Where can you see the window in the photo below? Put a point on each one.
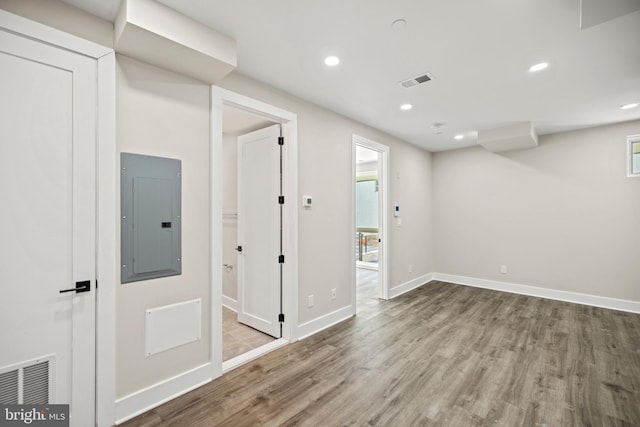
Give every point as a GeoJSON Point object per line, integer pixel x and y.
{"type": "Point", "coordinates": [633, 156]}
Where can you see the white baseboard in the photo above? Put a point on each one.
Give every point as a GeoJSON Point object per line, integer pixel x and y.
{"type": "Point", "coordinates": [251, 355]}
{"type": "Point", "coordinates": [323, 322]}
{"type": "Point", "coordinates": [230, 303]}
{"type": "Point", "coordinates": [410, 285]}
{"type": "Point", "coordinates": [148, 398]}
{"type": "Point", "coordinates": [574, 297]}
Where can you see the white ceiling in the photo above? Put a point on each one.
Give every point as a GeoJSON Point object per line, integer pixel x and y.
{"type": "Point", "coordinates": [478, 53]}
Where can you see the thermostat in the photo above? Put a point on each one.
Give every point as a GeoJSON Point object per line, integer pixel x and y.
{"type": "Point", "coordinates": [307, 201]}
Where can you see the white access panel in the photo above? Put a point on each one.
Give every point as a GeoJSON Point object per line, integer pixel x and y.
{"type": "Point", "coordinates": [172, 325]}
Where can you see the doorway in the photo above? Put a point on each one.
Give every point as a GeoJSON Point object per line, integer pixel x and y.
{"type": "Point", "coordinates": [254, 210]}
{"type": "Point", "coordinates": [250, 284]}
{"type": "Point", "coordinates": [370, 183]}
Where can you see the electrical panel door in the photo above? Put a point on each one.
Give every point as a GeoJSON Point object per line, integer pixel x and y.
{"type": "Point", "coordinates": [150, 221]}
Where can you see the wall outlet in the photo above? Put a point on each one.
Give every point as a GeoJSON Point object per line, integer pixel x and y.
{"type": "Point", "coordinates": [310, 301]}
{"type": "Point", "coordinates": [333, 293]}
{"type": "Point", "coordinates": [503, 269]}
{"type": "Point", "coordinates": [410, 268]}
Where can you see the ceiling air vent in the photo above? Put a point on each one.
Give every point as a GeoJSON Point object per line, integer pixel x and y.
{"type": "Point", "coordinates": [414, 81]}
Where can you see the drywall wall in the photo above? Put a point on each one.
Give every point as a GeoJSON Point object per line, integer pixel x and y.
{"type": "Point", "coordinates": [62, 16]}
{"type": "Point", "coordinates": [561, 216]}
{"type": "Point", "coordinates": [325, 236]}
{"type": "Point", "coordinates": [164, 114]}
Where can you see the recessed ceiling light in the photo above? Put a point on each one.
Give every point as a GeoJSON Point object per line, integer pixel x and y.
{"type": "Point", "coordinates": [539, 67]}
{"type": "Point", "coordinates": [332, 61]}
{"type": "Point", "coordinates": [459, 137]}
{"type": "Point", "coordinates": [629, 106]}
{"type": "Point", "coordinates": [406, 107]}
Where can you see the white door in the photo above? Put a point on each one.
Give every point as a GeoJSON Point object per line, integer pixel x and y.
{"type": "Point", "coordinates": [259, 230]}
{"type": "Point", "coordinates": [47, 243]}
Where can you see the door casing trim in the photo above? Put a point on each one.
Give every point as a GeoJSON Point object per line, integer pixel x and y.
{"type": "Point", "coordinates": [219, 98]}
{"type": "Point", "coordinates": [383, 214]}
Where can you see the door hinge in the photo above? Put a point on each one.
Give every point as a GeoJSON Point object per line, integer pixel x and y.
{"type": "Point", "coordinates": [281, 317]}
{"type": "Point", "coordinates": [281, 259]}
{"type": "Point", "coordinates": [281, 200]}
{"type": "Point", "coordinates": [281, 140]}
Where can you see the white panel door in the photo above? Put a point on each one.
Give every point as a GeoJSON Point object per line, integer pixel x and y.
{"type": "Point", "coordinates": [47, 244]}
{"type": "Point", "coordinates": [259, 230]}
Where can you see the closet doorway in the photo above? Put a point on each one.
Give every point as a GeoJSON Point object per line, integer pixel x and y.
{"type": "Point", "coordinates": [254, 229]}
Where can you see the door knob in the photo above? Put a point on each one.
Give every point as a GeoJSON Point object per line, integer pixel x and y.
{"type": "Point", "coordinates": [84, 286]}
{"type": "Point", "coordinates": [239, 249]}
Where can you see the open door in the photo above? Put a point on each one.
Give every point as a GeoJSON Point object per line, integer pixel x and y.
{"type": "Point", "coordinates": [259, 230]}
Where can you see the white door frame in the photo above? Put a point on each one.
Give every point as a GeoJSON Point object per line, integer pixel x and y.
{"type": "Point", "coordinates": [383, 214]}
{"type": "Point", "coordinates": [289, 121]}
{"type": "Point", "coordinates": [106, 267]}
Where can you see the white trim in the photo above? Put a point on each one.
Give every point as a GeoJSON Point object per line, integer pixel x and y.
{"type": "Point", "coordinates": [410, 285]}
{"type": "Point", "coordinates": [554, 294]}
{"type": "Point", "coordinates": [107, 262]}
{"type": "Point", "coordinates": [383, 213]}
{"type": "Point", "coordinates": [289, 121]}
{"type": "Point", "coordinates": [230, 303]}
{"type": "Point", "coordinates": [323, 322]}
{"type": "Point", "coordinates": [51, 36]}
{"type": "Point", "coordinates": [155, 395]}
{"type": "Point", "coordinates": [251, 355]}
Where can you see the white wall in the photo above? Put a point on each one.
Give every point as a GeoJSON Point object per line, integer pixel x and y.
{"type": "Point", "coordinates": [62, 16]}
{"type": "Point", "coordinates": [163, 114]}
{"type": "Point", "coordinates": [325, 173]}
{"type": "Point", "coordinates": [562, 216]}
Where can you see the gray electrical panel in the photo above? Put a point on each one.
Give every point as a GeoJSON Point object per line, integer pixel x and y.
{"type": "Point", "coordinates": [150, 204]}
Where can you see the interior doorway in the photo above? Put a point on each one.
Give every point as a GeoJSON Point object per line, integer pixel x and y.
{"type": "Point", "coordinates": [248, 167]}
{"type": "Point", "coordinates": [254, 210]}
{"type": "Point", "coordinates": [370, 183]}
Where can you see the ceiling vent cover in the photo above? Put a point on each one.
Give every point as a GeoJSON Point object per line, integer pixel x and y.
{"type": "Point", "coordinates": [414, 81]}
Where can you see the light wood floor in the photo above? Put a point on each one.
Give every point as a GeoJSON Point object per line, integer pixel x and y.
{"type": "Point", "coordinates": [367, 302]}
{"type": "Point", "coordinates": [237, 338]}
{"type": "Point", "coordinates": [441, 355]}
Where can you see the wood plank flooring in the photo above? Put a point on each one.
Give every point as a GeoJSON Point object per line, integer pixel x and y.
{"type": "Point", "coordinates": [441, 355]}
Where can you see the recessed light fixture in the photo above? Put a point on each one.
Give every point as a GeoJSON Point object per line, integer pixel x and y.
{"type": "Point", "coordinates": [459, 137]}
{"type": "Point", "coordinates": [629, 106]}
{"type": "Point", "coordinates": [332, 61]}
{"type": "Point", "coordinates": [538, 67]}
{"type": "Point", "coordinates": [406, 107]}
